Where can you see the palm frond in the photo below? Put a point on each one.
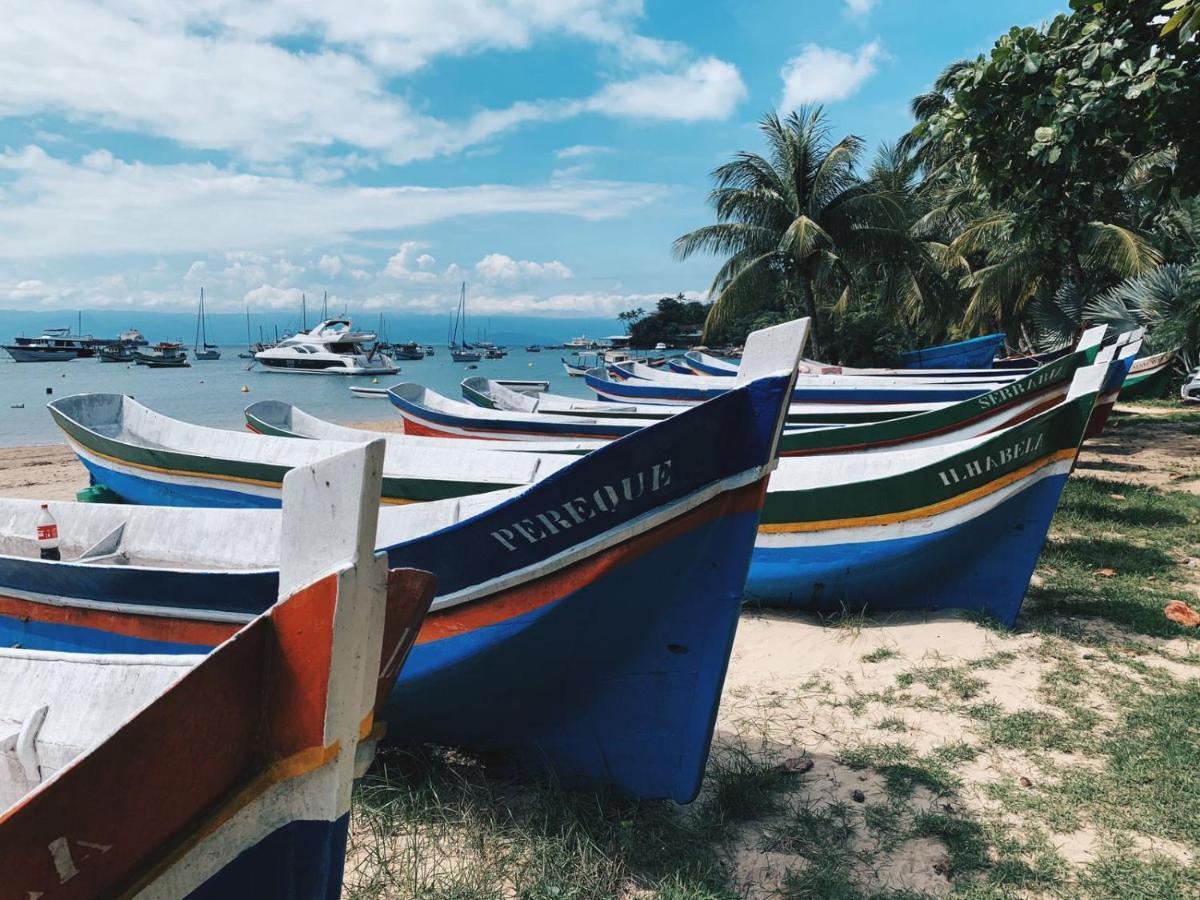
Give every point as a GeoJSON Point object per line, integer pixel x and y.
{"type": "Point", "coordinates": [1058, 318]}
{"type": "Point", "coordinates": [1118, 249]}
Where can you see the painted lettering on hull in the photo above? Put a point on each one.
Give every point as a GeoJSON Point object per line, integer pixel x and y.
{"type": "Point", "coordinates": [1036, 381]}
{"type": "Point", "coordinates": [977, 468]}
{"type": "Point", "coordinates": [604, 500]}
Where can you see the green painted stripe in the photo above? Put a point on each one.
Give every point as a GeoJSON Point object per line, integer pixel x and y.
{"type": "Point", "coordinates": [187, 464]}
{"type": "Point", "coordinates": [936, 421]}
{"type": "Point", "coordinates": [1042, 436]}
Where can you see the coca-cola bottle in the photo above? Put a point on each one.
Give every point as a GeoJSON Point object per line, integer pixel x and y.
{"type": "Point", "coordinates": [47, 534]}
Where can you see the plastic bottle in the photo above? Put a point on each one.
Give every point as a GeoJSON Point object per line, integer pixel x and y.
{"type": "Point", "coordinates": [47, 534]}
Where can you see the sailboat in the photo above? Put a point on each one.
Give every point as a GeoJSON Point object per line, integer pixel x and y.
{"type": "Point", "coordinates": [465, 353]}
{"type": "Point", "coordinates": [203, 350]}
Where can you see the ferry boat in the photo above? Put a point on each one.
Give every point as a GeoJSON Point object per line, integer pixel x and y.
{"type": "Point", "coordinates": [53, 345]}
{"type": "Point", "coordinates": [331, 348]}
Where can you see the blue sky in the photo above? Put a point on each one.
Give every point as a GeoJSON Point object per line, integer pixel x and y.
{"type": "Point", "coordinates": [547, 152]}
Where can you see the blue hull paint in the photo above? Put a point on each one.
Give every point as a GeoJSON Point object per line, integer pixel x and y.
{"type": "Point", "coordinates": [152, 492]}
{"type": "Point", "coordinates": [79, 639]}
{"type": "Point", "coordinates": [633, 706]}
{"type": "Point", "coordinates": [974, 353]}
{"type": "Point", "coordinates": [982, 565]}
{"type": "Point", "coordinates": [303, 860]}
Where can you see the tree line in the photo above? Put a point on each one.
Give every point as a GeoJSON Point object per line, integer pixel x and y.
{"type": "Point", "coordinates": [1049, 184]}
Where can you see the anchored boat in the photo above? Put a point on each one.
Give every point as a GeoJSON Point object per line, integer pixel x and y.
{"type": "Point", "coordinates": [331, 348]}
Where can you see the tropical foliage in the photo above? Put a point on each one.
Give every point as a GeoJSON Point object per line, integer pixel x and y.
{"type": "Point", "coordinates": [1047, 184]}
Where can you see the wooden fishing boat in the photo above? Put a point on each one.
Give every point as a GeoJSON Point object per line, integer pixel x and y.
{"type": "Point", "coordinates": [973, 353]}
{"type": "Point", "coordinates": [573, 630]}
{"type": "Point", "coordinates": [575, 370]}
{"type": "Point", "coordinates": [678, 365]}
{"type": "Point", "coordinates": [274, 417]}
{"type": "Point", "coordinates": [490, 394]}
{"type": "Point", "coordinates": [145, 457]}
{"type": "Point", "coordinates": [1148, 377]}
{"type": "Point", "coordinates": [1119, 370]}
{"type": "Point", "coordinates": [989, 412]}
{"type": "Point", "coordinates": [163, 355]}
{"type": "Point", "coordinates": [956, 525]}
{"type": "Point", "coordinates": [224, 775]}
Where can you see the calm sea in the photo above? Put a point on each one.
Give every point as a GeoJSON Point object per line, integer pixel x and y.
{"type": "Point", "coordinates": [209, 393]}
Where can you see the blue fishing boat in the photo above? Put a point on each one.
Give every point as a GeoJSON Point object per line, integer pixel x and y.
{"type": "Point", "coordinates": [973, 353]}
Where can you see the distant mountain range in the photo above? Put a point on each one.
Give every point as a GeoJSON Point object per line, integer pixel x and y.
{"type": "Point", "coordinates": [229, 329]}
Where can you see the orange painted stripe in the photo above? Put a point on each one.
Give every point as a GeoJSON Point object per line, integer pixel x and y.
{"type": "Point", "coordinates": [134, 625]}
{"type": "Point", "coordinates": [919, 512]}
{"type": "Point", "coordinates": [533, 595]}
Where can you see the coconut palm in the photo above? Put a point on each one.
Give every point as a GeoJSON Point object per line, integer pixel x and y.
{"type": "Point", "coordinates": [795, 224]}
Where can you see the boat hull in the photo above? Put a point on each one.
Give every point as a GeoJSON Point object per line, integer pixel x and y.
{"type": "Point", "coordinates": [974, 353]}
{"type": "Point", "coordinates": [28, 354]}
{"type": "Point", "coordinates": [977, 558]}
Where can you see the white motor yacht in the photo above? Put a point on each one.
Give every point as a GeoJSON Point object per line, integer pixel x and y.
{"type": "Point", "coordinates": [331, 348]}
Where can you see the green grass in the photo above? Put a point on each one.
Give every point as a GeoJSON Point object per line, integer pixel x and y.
{"type": "Point", "coordinates": [743, 786]}
{"type": "Point", "coordinates": [955, 681]}
{"type": "Point", "coordinates": [426, 826]}
{"type": "Point", "coordinates": [1143, 538]}
{"type": "Point", "coordinates": [903, 769]}
{"type": "Point", "coordinates": [879, 654]}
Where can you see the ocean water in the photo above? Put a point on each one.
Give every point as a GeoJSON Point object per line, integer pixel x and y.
{"type": "Point", "coordinates": [209, 393]}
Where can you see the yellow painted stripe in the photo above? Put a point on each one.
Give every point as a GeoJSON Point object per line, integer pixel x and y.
{"type": "Point", "coordinates": [919, 512]}
{"type": "Point", "coordinates": [388, 501]}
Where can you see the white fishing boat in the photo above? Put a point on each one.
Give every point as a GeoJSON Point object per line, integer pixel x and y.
{"type": "Point", "coordinates": [331, 348]}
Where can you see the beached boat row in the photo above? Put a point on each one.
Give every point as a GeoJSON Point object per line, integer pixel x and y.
{"type": "Point", "coordinates": [591, 557]}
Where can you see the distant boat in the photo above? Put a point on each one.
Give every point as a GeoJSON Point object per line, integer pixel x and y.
{"type": "Point", "coordinates": [465, 352]}
{"type": "Point", "coordinates": [53, 345]}
{"type": "Point", "coordinates": [533, 348]}
{"type": "Point", "coordinates": [411, 351]}
{"type": "Point", "coordinates": [163, 355]}
{"type": "Point", "coordinates": [575, 370]}
{"type": "Point", "coordinates": [429, 351]}
{"type": "Point", "coordinates": [203, 350]}
{"type": "Point", "coordinates": [330, 348]}
{"type": "Point", "coordinates": [115, 353]}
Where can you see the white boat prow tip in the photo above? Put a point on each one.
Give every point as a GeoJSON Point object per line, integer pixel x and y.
{"type": "Point", "coordinates": [770, 351]}
{"type": "Point", "coordinates": [1087, 380]}
{"type": "Point", "coordinates": [342, 493]}
{"type": "Point", "coordinates": [1093, 337]}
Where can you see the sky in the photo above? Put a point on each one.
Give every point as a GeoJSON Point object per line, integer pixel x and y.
{"type": "Point", "coordinates": [546, 152]}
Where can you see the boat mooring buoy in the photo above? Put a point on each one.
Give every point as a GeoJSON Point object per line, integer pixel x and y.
{"type": "Point", "coordinates": [49, 390]}
{"type": "Point", "coordinates": [245, 389]}
{"type": "Point", "coordinates": [374, 381]}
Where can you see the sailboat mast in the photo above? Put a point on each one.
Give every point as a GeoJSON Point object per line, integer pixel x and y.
{"type": "Point", "coordinates": [303, 314]}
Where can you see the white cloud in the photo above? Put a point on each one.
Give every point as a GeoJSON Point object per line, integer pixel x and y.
{"type": "Point", "coordinates": [579, 150]}
{"type": "Point", "coordinates": [330, 265]}
{"type": "Point", "coordinates": [860, 7]}
{"type": "Point", "coordinates": [55, 208]}
{"type": "Point", "coordinates": [498, 267]}
{"type": "Point", "coordinates": [208, 74]}
{"type": "Point", "coordinates": [824, 75]}
{"type": "Point", "coordinates": [707, 89]}
{"type": "Point", "coordinates": [597, 304]}
{"type": "Point", "coordinates": [399, 265]}
{"type": "Point", "coordinates": [267, 296]}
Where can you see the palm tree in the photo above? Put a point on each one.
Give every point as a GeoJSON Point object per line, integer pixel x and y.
{"type": "Point", "coordinates": [793, 225]}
